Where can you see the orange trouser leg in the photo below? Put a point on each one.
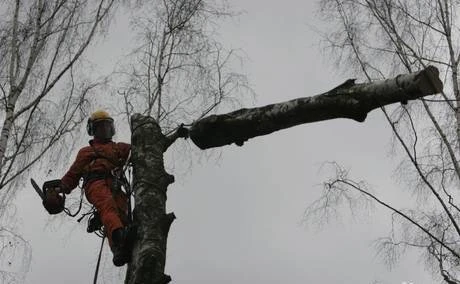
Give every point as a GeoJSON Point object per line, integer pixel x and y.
{"type": "Point", "coordinates": [109, 207]}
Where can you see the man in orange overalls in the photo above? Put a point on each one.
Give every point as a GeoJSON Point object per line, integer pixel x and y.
{"type": "Point", "coordinates": [95, 164]}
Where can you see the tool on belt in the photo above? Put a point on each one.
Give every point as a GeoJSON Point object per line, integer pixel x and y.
{"type": "Point", "coordinates": [52, 199]}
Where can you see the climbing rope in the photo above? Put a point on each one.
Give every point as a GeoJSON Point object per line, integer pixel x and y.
{"type": "Point", "coordinates": [96, 272]}
{"type": "Point", "coordinates": [129, 193]}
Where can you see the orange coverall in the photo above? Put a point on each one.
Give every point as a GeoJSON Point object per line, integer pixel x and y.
{"type": "Point", "coordinates": [93, 164]}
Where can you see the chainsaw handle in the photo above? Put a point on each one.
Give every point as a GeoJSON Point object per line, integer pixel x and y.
{"type": "Point", "coordinates": [54, 192]}
{"type": "Point", "coordinates": [54, 201]}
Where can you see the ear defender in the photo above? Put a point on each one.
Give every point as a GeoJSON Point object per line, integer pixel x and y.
{"type": "Point", "coordinates": [90, 127]}
{"type": "Point", "coordinates": [112, 128]}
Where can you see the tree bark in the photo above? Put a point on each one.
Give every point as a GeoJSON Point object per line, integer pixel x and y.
{"type": "Point", "coordinates": [150, 182]}
{"type": "Point", "coordinates": [348, 100]}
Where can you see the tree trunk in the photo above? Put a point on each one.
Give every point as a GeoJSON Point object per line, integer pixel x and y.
{"type": "Point", "coordinates": [348, 100]}
{"type": "Point", "coordinates": [150, 181]}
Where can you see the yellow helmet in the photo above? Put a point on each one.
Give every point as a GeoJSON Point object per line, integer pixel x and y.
{"type": "Point", "coordinates": [102, 118]}
{"type": "Point", "coordinates": [99, 114]}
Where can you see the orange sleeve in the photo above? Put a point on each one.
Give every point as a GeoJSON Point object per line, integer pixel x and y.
{"type": "Point", "coordinates": [72, 177]}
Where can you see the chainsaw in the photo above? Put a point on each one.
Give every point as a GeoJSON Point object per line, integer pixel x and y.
{"type": "Point", "coordinates": [52, 199]}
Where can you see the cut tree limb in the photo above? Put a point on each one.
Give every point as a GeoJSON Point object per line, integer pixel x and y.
{"type": "Point", "coordinates": [349, 100]}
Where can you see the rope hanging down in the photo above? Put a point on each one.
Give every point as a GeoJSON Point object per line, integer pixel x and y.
{"type": "Point", "coordinates": [96, 272]}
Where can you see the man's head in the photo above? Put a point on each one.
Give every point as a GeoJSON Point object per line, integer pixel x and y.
{"type": "Point", "coordinates": [100, 125]}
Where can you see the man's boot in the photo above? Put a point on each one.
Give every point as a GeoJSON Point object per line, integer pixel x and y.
{"type": "Point", "coordinates": [120, 255]}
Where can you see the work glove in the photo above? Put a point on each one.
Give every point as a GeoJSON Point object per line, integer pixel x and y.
{"type": "Point", "coordinates": [62, 189]}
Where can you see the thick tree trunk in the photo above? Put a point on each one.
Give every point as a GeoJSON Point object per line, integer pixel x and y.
{"type": "Point", "coordinates": [150, 181]}
{"type": "Point", "coordinates": [348, 100]}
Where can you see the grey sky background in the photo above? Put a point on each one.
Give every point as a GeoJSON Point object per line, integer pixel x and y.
{"type": "Point", "coordinates": [239, 214]}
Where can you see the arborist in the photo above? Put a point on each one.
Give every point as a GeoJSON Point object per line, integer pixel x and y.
{"type": "Point", "coordinates": [97, 164]}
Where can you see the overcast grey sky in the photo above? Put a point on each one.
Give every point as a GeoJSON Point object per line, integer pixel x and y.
{"type": "Point", "coordinates": [239, 220]}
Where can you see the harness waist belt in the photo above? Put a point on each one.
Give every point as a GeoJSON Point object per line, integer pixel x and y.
{"type": "Point", "coordinates": [92, 176]}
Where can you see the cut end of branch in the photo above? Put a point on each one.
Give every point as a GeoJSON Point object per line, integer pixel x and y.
{"type": "Point", "coordinates": [166, 221]}
{"type": "Point", "coordinates": [164, 279]}
{"type": "Point", "coordinates": [429, 82]}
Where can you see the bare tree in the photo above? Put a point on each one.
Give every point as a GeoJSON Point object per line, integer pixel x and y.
{"type": "Point", "coordinates": [377, 38]}
{"type": "Point", "coordinates": [177, 74]}
{"type": "Point", "coordinates": [180, 76]}
{"type": "Point", "coordinates": [181, 72]}
{"type": "Point", "coordinates": [149, 143]}
{"type": "Point", "coordinates": [42, 89]}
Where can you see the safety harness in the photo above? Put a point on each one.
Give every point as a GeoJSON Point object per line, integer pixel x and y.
{"type": "Point", "coordinates": [119, 181]}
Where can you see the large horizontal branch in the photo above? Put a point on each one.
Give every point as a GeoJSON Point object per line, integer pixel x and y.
{"type": "Point", "coordinates": [348, 100]}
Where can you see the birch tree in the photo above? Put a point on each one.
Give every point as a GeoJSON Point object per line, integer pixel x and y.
{"type": "Point", "coordinates": [374, 39]}
{"type": "Point", "coordinates": [179, 80]}
{"type": "Point", "coordinates": [42, 92]}
{"type": "Point", "coordinates": [179, 73]}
